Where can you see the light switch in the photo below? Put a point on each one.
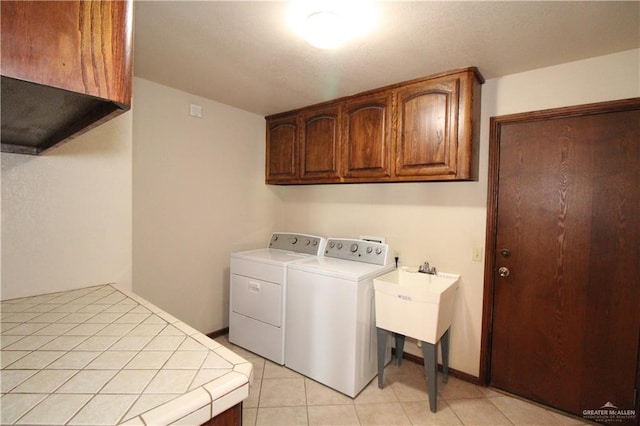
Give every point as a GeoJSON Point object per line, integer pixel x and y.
{"type": "Point", "coordinates": [476, 254]}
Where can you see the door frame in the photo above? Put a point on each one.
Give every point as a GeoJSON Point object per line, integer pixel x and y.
{"type": "Point", "coordinates": [495, 126]}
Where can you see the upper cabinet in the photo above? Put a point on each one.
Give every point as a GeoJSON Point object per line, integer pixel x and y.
{"type": "Point", "coordinates": [421, 130]}
{"type": "Point", "coordinates": [66, 68]}
{"type": "Point", "coordinates": [435, 135]}
{"type": "Point", "coordinates": [366, 137]}
{"type": "Point", "coordinates": [320, 144]}
{"type": "Point", "coordinates": [282, 149]}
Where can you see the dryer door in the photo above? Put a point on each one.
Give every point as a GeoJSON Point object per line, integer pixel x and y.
{"type": "Point", "coordinates": [257, 299]}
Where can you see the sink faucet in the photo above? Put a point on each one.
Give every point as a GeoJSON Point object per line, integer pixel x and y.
{"type": "Point", "coordinates": [425, 269]}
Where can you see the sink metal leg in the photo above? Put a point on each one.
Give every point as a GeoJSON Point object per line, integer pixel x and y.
{"type": "Point", "coordinates": [382, 340]}
{"type": "Point", "coordinates": [444, 347]}
{"type": "Point", "coordinates": [399, 347]}
{"type": "Point", "coordinates": [430, 368]}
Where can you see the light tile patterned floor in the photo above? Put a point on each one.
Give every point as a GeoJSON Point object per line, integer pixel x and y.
{"type": "Point", "coordinates": [280, 396]}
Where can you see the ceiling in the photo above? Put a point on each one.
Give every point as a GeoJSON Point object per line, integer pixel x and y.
{"type": "Point", "coordinates": [244, 54]}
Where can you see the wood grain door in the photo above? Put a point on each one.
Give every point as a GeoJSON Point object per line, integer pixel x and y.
{"type": "Point", "coordinates": [366, 137]}
{"type": "Point", "coordinates": [320, 144]}
{"type": "Point", "coordinates": [282, 150]}
{"type": "Point", "coordinates": [565, 266]}
{"type": "Point", "coordinates": [426, 141]}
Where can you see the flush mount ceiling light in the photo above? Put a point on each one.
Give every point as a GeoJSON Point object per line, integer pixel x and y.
{"type": "Point", "coordinates": [329, 24]}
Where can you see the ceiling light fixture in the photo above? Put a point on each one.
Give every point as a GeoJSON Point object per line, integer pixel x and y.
{"type": "Point", "coordinates": [329, 24]}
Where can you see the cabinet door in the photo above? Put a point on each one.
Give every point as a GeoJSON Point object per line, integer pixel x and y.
{"type": "Point", "coordinates": [282, 150]}
{"type": "Point", "coordinates": [366, 138]}
{"type": "Point", "coordinates": [320, 145]}
{"type": "Point", "coordinates": [426, 141]}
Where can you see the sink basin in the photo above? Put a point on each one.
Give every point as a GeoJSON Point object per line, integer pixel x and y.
{"type": "Point", "coordinates": [415, 304]}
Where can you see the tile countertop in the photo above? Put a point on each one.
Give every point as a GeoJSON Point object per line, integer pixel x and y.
{"type": "Point", "coordinates": [104, 356]}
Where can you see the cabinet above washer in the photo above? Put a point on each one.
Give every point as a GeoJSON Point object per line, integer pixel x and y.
{"type": "Point", "coordinates": [420, 130]}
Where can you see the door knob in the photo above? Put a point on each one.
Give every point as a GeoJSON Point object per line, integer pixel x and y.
{"type": "Point", "coordinates": [503, 271]}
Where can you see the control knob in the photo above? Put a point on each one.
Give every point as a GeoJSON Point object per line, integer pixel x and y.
{"type": "Point", "coordinates": [294, 240]}
{"type": "Point", "coordinates": [354, 248]}
{"type": "Point", "coordinates": [379, 250]}
{"type": "Point", "coordinates": [308, 242]}
{"type": "Point", "coordinates": [369, 250]}
{"type": "Point", "coordinates": [332, 244]}
{"type": "Point", "coordinates": [339, 246]}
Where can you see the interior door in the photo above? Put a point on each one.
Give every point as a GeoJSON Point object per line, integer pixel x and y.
{"type": "Point", "coordinates": [565, 267]}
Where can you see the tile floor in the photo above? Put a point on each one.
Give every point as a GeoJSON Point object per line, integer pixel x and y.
{"type": "Point", "coordinates": [279, 396]}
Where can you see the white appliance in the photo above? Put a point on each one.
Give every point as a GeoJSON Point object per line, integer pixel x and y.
{"type": "Point", "coordinates": [330, 317]}
{"type": "Point", "coordinates": [258, 287]}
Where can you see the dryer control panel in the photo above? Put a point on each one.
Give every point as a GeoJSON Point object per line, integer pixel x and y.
{"type": "Point", "coordinates": [358, 251]}
{"type": "Point", "coordinates": [299, 243]}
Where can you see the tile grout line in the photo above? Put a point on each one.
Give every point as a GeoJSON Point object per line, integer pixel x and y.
{"type": "Point", "coordinates": [152, 378]}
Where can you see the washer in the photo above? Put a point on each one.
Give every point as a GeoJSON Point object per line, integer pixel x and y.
{"type": "Point", "coordinates": [330, 317]}
{"type": "Point", "coordinates": [258, 286]}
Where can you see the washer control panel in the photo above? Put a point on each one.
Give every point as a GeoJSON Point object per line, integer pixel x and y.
{"type": "Point", "coordinates": [299, 243]}
{"type": "Point", "coordinates": [358, 250]}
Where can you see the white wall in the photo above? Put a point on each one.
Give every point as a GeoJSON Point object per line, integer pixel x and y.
{"type": "Point", "coordinates": [199, 194]}
{"type": "Point", "coordinates": [442, 222]}
{"type": "Point", "coordinates": [600, 79]}
{"type": "Point", "coordinates": [66, 215]}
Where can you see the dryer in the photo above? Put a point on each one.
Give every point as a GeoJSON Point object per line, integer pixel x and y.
{"type": "Point", "coordinates": [330, 316]}
{"type": "Point", "coordinates": [258, 287]}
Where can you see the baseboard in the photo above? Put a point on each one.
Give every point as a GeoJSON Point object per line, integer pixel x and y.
{"type": "Point", "coordinates": [452, 371]}
{"type": "Point", "coordinates": [218, 333]}
{"type": "Point", "coordinates": [409, 357]}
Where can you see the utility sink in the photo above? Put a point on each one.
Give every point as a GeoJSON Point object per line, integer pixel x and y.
{"type": "Point", "coordinates": [415, 304]}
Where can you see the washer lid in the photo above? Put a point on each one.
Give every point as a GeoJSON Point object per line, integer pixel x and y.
{"type": "Point", "coordinates": [339, 268]}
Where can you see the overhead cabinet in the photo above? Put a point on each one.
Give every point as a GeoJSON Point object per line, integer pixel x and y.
{"type": "Point", "coordinates": [320, 144]}
{"type": "Point", "coordinates": [366, 130]}
{"type": "Point", "coordinates": [66, 67]}
{"type": "Point", "coordinates": [282, 149]}
{"type": "Point", "coordinates": [421, 130]}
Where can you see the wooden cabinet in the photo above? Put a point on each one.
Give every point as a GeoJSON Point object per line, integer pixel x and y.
{"type": "Point", "coordinates": [435, 135]}
{"type": "Point", "coordinates": [366, 137]}
{"type": "Point", "coordinates": [66, 67]}
{"type": "Point", "coordinates": [421, 130]}
{"type": "Point", "coordinates": [282, 149]}
{"type": "Point", "coordinates": [320, 144]}
{"type": "Point", "coordinates": [230, 417]}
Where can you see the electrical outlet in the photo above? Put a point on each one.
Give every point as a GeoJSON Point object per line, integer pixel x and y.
{"type": "Point", "coordinates": [476, 254]}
